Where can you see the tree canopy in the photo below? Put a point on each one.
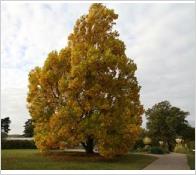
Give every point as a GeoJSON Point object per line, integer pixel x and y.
{"type": "Point", "coordinates": [88, 92]}
{"type": "Point", "coordinates": [28, 128]}
{"type": "Point", "coordinates": [5, 124]}
{"type": "Point", "coordinates": [5, 127]}
{"type": "Point", "coordinates": [166, 122]}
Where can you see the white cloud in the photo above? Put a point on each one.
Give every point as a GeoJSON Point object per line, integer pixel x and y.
{"type": "Point", "coordinates": [30, 32]}
{"type": "Point", "coordinates": [159, 37]}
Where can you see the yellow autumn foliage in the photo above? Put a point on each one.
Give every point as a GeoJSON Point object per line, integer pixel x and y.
{"type": "Point", "coordinates": [87, 93]}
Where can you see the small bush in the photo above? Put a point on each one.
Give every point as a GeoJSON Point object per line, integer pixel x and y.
{"type": "Point", "coordinates": [18, 144]}
{"type": "Point", "coordinates": [156, 150]}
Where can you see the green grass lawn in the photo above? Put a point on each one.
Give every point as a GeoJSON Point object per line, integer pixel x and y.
{"type": "Point", "coordinates": [31, 159]}
{"type": "Point", "coordinates": [191, 160]}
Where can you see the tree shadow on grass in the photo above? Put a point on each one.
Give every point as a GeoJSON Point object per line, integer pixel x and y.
{"type": "Point", "coordinates": [79, 156]}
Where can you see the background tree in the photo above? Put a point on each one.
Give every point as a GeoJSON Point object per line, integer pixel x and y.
{"type": "Point", "coordinates": [87, 93]}
{"type": "Point", "coordinates": [5, 124]}
{"type": "Point", "coordinates": [188, 133]}
{"type": "Point", "coordinates": [166, 122]}
{"type": "Point", "coordinates": [28, 128]}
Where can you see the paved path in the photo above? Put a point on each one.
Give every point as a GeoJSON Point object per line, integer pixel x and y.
{"type": "Point", "coordinates": [172, 161]}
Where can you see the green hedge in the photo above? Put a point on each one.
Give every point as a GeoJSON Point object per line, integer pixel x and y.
{"type": "Point", "coordinates": [156, 150]}
{"type": "Point", "coordinates": [18, 144]}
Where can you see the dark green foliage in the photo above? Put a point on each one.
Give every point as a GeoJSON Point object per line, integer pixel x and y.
{"type": "Point", "coordinates": [187, 133]}
{"type": "Point", "coordinates": [28, 131]}
{"type": "Point", "coordinates": [18, 144]}
{"type": "Point", "coordinates": [5, 124]}
{"type": "Point", "coordinates": [138, 144]}
{"type": "Point", "coordinates": [156, 150]}
{"type": "Point", "coordinates": [165, 123]}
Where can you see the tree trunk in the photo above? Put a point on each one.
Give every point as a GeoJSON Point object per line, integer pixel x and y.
{"type": "Point", "coordinates": [88, 145]}
{"type": "Point", "coordinates": [170, 146]}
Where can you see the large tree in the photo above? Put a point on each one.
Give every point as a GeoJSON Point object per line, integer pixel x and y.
{"type": "Point", "coordinates": [28, 128]}
{"type": "Point", "coordinates": [166, 122]}
{"type": "Point", "coordinates": [88, 92]}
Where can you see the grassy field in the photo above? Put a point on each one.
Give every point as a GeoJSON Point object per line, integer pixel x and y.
{"type": "Point", "coordinates": [32, 159]}
{"type": "Point", "coordinates": [191, 160]}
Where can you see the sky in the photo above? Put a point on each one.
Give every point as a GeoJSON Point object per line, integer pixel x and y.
{"type": "Point", "coordinates": [159, 37]}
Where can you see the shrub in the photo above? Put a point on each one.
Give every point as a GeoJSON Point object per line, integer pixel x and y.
{"type": "Point", "coordinates": [18, 144]}
{"type": "Point", "coordinates": [156, 150]}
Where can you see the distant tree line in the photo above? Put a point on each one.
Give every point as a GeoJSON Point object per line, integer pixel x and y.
{"type": "Point", "coordinates": [5, 127]}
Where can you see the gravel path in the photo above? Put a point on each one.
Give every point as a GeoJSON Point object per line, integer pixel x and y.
{"type": "Point", "coordinates": [172, 161]}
